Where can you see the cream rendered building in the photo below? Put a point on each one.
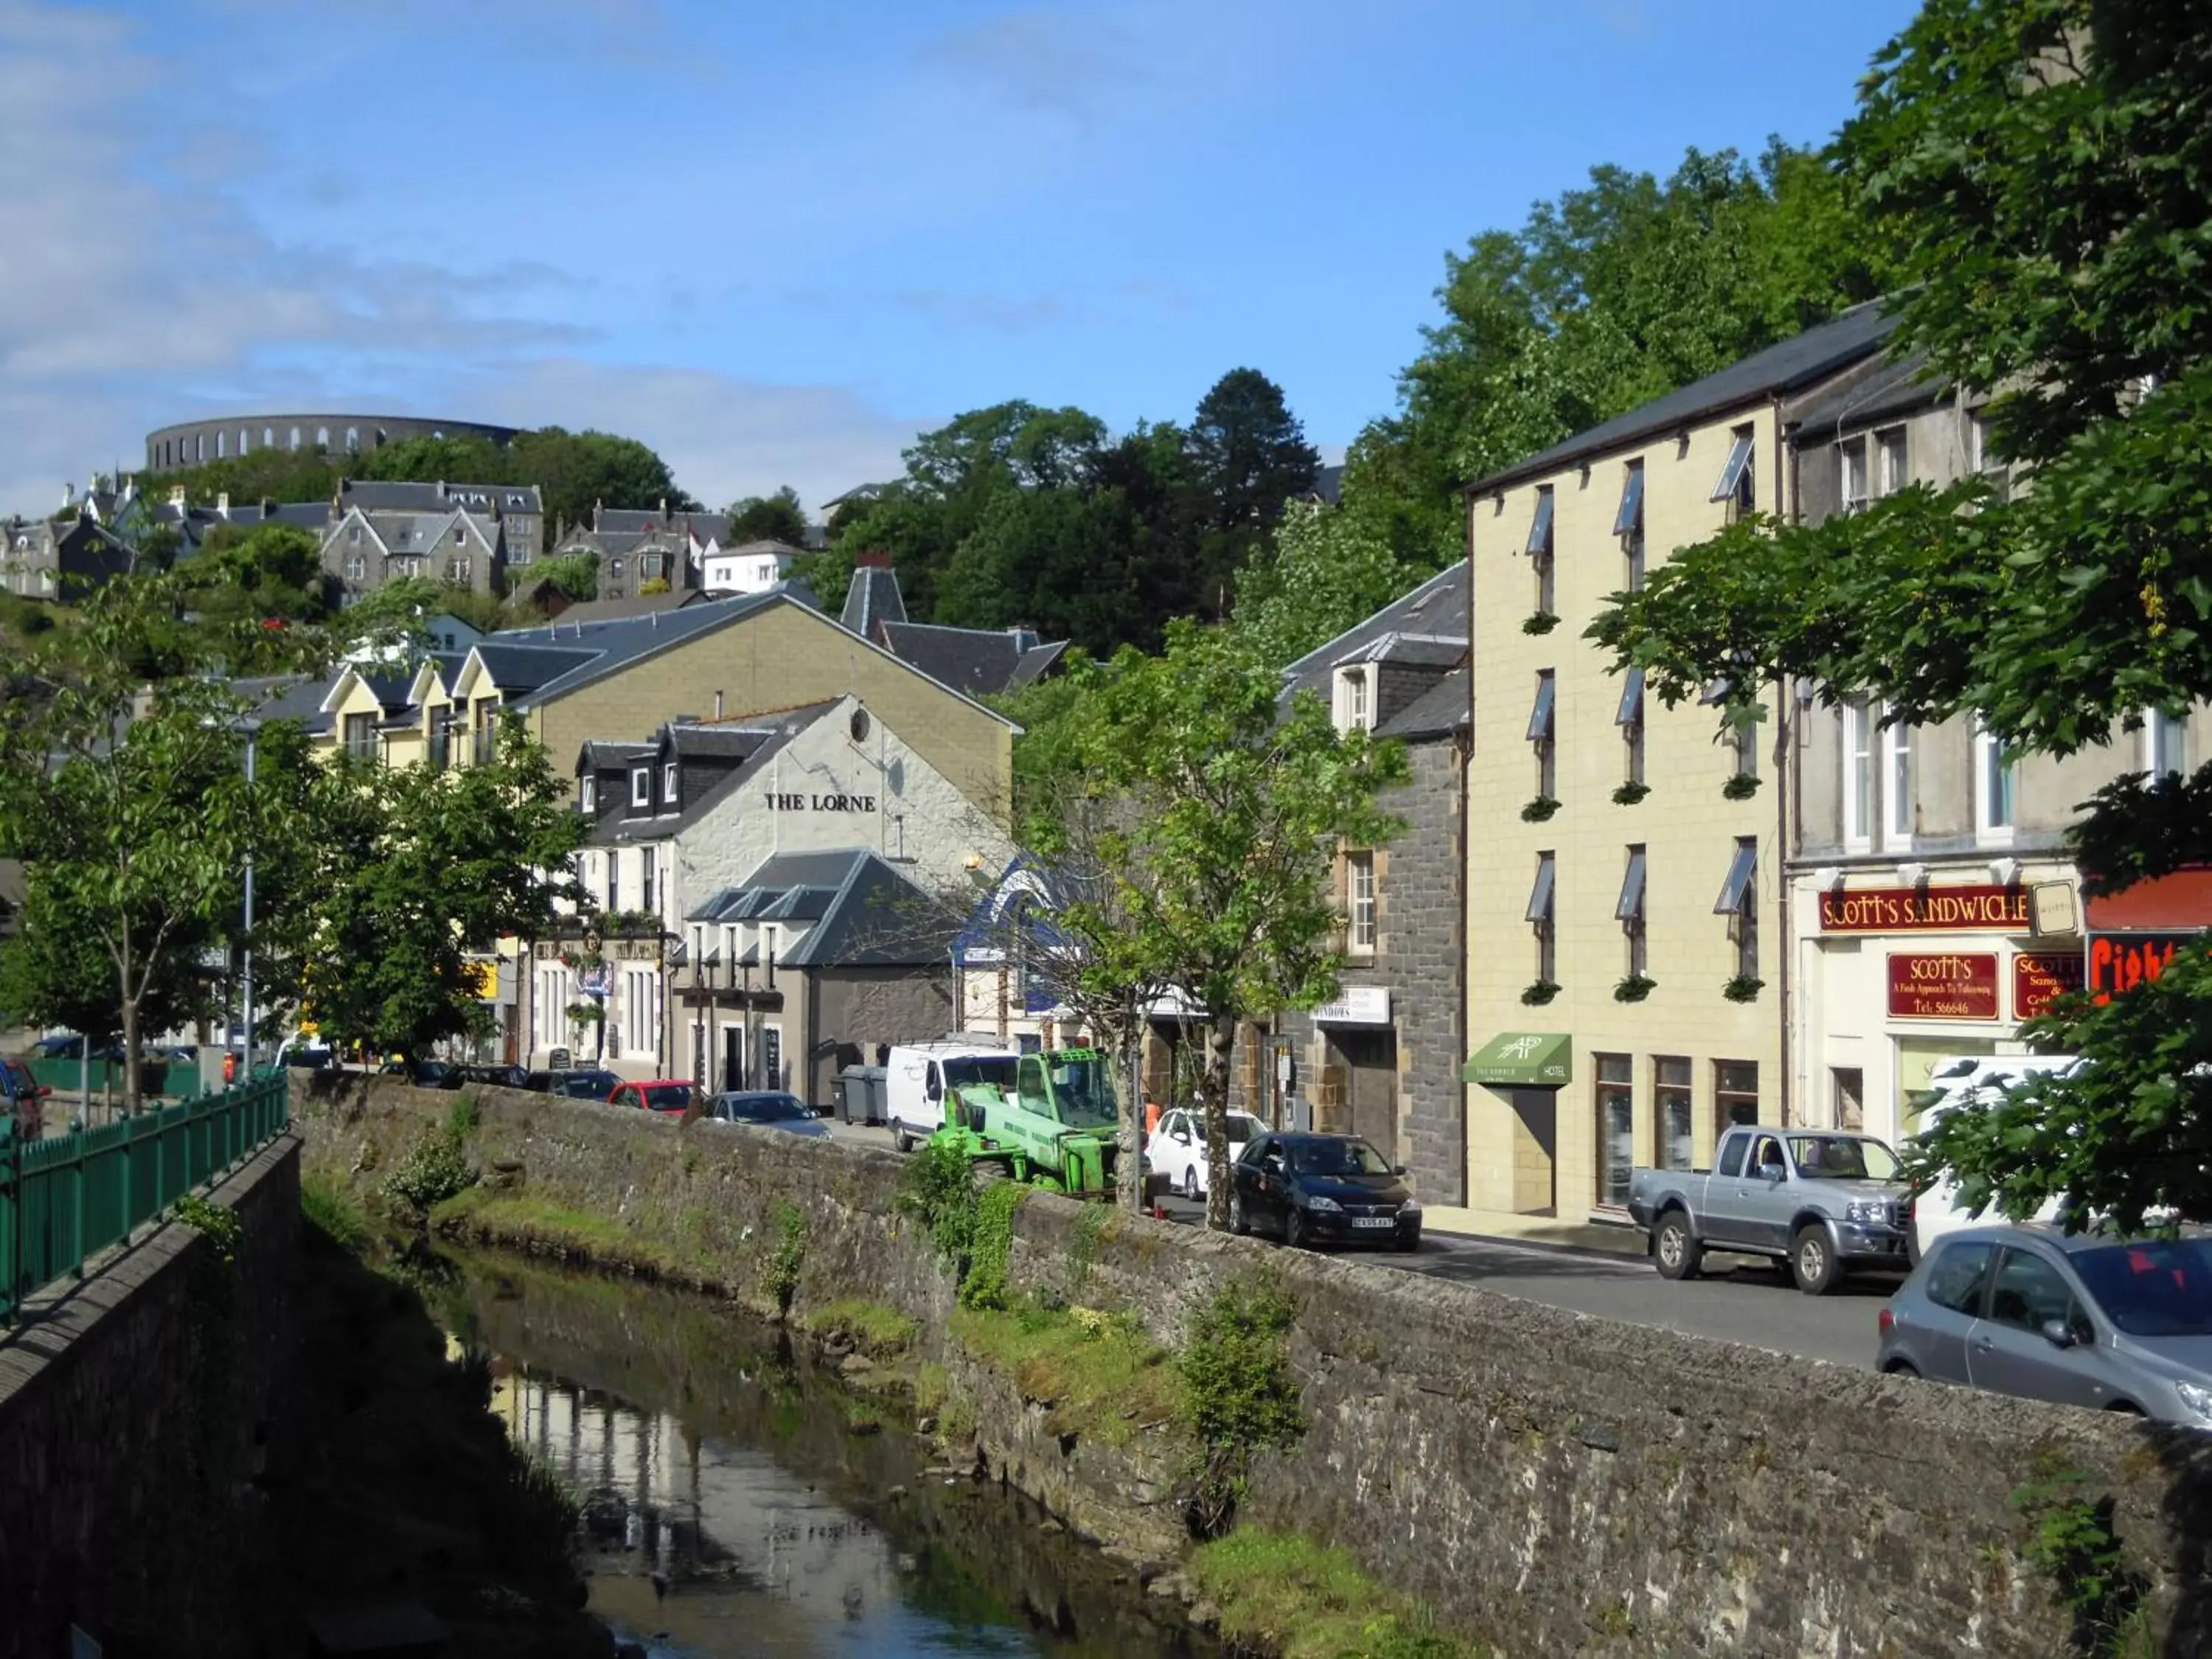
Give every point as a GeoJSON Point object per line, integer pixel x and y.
{"type": "Point", "coordinates": [1578, 891]}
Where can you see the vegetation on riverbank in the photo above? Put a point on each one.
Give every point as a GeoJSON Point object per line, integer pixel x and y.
{"type": "Point", "coordinates": [1290, 1597]}
{"type": "Point", "coordinates": [521, 1221]}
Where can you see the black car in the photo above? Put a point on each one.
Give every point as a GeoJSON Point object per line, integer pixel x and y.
{"type": "Point", "coordinates": [426, 1073]}
{"type": "Point", "coordinates": [496, 1077]}
{"type": "Point", "coordinates": [585, 1086]}
{"type": "Point", "coordinates": [1322, 1190]}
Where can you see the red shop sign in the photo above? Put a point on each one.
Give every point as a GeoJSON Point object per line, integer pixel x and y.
{"type": "Point", "coordinates": [1925, 909]}
{"type": "Point", "coordinates": [1949, 985]}
{"type": "Point", "coordinates": [2040, 980]}
{"type": "Point", "coordinates": [2120, 962]}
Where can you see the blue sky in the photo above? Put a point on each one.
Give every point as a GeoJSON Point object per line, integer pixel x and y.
{"type": "Point", "coordinates": [775, 240]}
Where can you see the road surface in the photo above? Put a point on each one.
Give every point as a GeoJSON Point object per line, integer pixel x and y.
{"type": "Point", "coordinates": [1754, 1304]}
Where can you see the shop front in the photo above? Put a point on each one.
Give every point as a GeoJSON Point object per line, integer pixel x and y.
{"type": "Point", "coordinates": [2134, 935]}
{"type": "Point", "coordinates": [1527, 1070]}
{"type": "Point", "coordinates": [1897, 979]}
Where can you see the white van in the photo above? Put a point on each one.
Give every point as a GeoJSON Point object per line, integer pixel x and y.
{"type": "Point", "coordinates": [918, 1076]}
{"type": "Point", "coordinates": [1968, 1080]}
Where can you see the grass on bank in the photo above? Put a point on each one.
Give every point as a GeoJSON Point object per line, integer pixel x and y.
{"type": "Point", "coordinates": [1290, 1596]}
{"type": "Point", "coordinates": [521, 1221]}
{"type": "Point", "coordinates": [1099, 1372]}
{"type": "Point", "coordinates": [872, 1328]}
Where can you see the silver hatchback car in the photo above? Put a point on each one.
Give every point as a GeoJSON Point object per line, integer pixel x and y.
{"type": "Point", "coordinates": [2091, 1319]}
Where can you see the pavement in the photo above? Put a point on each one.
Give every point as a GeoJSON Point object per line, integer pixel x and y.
{"type": "Point", "coordinates": [1602, 1271]}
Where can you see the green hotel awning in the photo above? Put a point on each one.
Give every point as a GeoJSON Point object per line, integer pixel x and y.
{"type": "Point", "coordinates": [1526, 1060]}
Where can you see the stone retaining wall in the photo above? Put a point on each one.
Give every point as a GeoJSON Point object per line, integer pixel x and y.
{"type": "Point", "coordinates": [1551, 1483]}
{"type": "Point", "coordinates": [132, 1408]}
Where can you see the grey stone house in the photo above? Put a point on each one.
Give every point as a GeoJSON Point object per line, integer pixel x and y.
{"type": "Point", "coordinates": [636, 547]}
{"type": "Point", "coordinates": [1382, 1060]}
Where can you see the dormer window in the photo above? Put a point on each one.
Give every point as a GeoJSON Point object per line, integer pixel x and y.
{"type": "Point", "coordinates": [1355, 706]}
{"type": "Point", "coordinates": [588, 800]}
{"type": "Point", "coordinates": [668, 784]}
{"type": "Point", "coordinates": [641, 786]}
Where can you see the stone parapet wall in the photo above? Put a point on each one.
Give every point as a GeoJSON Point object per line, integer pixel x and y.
{"type": "Point", "coordinates": [1551, 1483]}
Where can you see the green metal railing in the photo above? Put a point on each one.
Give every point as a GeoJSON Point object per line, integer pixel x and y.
{"type": "Point", "coordinates": [65, 1198]}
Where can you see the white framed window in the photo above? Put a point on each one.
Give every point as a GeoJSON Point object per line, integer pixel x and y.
{"type": "Point", "coordinates": [1899, 801]}
{"type": "Point", "coordinates": [353, 535]}
{"type": "Point", "coordinates": [768, 571]}
{"type": "Point", "coordinates": [357, 568]}
{"type": "Point", "coordinates": [1851, 475]}
{"type": "Point", "coordinates": [668, 783]}
{"type": "Point", "coordinates": [1889, 474]}
{"type": "Point", "coordinates": [1359, 901]}
{"type": "Point", "coordinates": [1858, 774]}
{"type": "Point", "coordinates": [1994, 782]}
{"type": "Point", "coordinates": [2166, 744]}
{"type": "Point", "coordinates": [641, 786]}
{"type": "Point", "coordinates": [1354, 708]}
{"type": "Point", "coordinates": [587, 797]}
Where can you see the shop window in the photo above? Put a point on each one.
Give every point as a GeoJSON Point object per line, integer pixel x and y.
{"type": "Point", "coordinates": [1540, 915]}
{"type": "Point", "coordinates": [1736, 1093]}
{"type": "Point", "coordinates": [1994, 778]}
{"type": "Point", "coordinates": [1848, 1086]}
{"type": "Point", "coordinates": [1630, 718]}
{"type": "Point", "coordinates": [1677, 1113]}
{"type": "Point", "coordinates": [1629, 912]}
{"type": "Point", "coordinates": [1616, 1127]}
{"type": "Point", "coordinates": [1738, 484]}
{"type": "Point", "coordinates": [1739, 902]}
{"type": "Point", "coordinates": [1628, 523]}
{"type": "Point", "coordinates": [1359, 901]}
{"type": "Point", "coordinates": [1858, 774]}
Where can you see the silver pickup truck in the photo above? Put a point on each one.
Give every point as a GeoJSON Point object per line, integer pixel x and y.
{"type": "Point", "coordinates": [1823, 1201]}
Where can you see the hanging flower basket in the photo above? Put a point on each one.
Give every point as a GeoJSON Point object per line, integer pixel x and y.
{"type": "Point", "coordinates": [1742, 786]}
{"type": "Point", "coordinates": [1634, 988]}
{"type": "Point", "coordinates": [1537, 810]}
{"type": "Point", "coordinates": [1539, 993]}
{"type": "Point", "coordinates": [1629, 794]}
{"type": "Point", "coordinates": [1743, 988]}
{"type": "Point", "coordinates": [1542, 622]}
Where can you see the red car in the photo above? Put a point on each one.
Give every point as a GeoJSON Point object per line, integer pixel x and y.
{"type": "Point", "coordinates": [671, 1094]}
{"type": "Point", "coordinates": [23, 1096]}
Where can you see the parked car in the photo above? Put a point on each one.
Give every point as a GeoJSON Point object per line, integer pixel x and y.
{"type": "Point", "coordinates": [1968, 1080]}
{"type": "Point", "coordinates": [918, 1076]}
{"type": "Point", "coordinates": [1175, 1153]}
{"type": "Point", "coordinates": [426, 1073]}
{"type": "Point", "coordinates": [495, 1076]}
{"type": "Point", "coordinates": [2090, 1319]}
{"type": "Point", "coordinates": [23, 1097]}
{"type": "Point", "coordinates": [766, 1109]}
{"type": "Point", "coordinates": [669, 1094]}
{"type": "Point", "coordinates": [590, 1084]}
{"type": "Point", "coordinates": [70, 1046]}
{"type": "Point", "coordinates": [1322, 1190]}
{"type": "Point", "coordinates": [1822, 1201]}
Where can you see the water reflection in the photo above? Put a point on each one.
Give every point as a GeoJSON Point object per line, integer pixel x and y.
{"type": "Point", "coordinates": [737, 1502]}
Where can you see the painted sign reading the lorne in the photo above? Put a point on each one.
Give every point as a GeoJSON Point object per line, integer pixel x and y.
{"type": "Point", "coordinates": [778, 801]}
{"type": "Point", "coordinates": [1951, 985]}
{"type": "Point", "coordinates": [1925, 909]}
{"type": "Point", "coordinates": [2039, 980]}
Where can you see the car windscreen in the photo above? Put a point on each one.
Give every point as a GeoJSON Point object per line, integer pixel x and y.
{"type": "Point", "coordinates": [981, 1068]}
{"type": "Point", "coordinates": [1242, 1126]}
{"type": "Point", "coordinates": [1337, 1157]}
{"type": "Point", "coordinates": [2155, 1287]}
{"type": "Point", "coordinates": [1084, 1093]}
{"type": "Point", "coordinates": [1842, 1158]}
{"type": "Point", "coordinates": [764, 1109]}
{"type": "Point", "coordinates": [661, 1094]}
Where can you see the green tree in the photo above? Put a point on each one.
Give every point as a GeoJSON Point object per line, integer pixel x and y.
{"type": "Point", "coordinates": [2048, 205]}
{"type": "Point", "coordinates": [1212, 821]}
{"type": "Point", "coordinates": [777, 518]}
{"type": "Point", "coordinates": [576, 575]}
{"type": "Point", "coordinates": [1248, 456]}
{"type": "Point", "coordinates": [422, 871]}
{"type": "Point", "coordinates": [1329, 569]}
{"type": "Point", "coordinates": [574, 471]}
{"type": "Point", "coordinates": [466, 459]}
{"type": "Point", "coordinates": [257, 573]}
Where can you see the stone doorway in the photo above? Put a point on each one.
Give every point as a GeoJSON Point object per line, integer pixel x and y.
{"type": "Point", "coordinates": [1366, 1059]}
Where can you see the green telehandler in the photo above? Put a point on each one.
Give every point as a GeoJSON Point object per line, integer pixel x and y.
{"type": "Point", "coordinates": [1058, 1128]}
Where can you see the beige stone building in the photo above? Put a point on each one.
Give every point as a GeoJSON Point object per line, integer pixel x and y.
{"type": "Point", "coordinates": [1626, 956]}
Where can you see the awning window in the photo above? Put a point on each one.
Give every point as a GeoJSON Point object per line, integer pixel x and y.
{"type": "Point", "coordinates": [1629, 518]}
{"type": "Point", "coordinates": [1630, 907]}
{"type": "Point", "coordinates": [1539, 532]}
{"type": "Point", "coordinates": [1739, 463]}
{"type": "Point", "coordinates": [1631, 711]}
{"type": "Point", "coordinates": [1540, 717]}
{"type": "Point", "coordinates": [1742, 869]}
{"type": "Point", "coordinates": [1539, 895]}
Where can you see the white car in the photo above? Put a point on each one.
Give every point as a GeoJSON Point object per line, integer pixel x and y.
{"type": "Point", "coordinates": [1176, 1152]}
{"type": "Point", "coordinates": [1969, 1080]}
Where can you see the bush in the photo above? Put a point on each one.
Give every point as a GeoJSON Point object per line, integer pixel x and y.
{"type": "Point", "coordinates": [436, 1167]}
{"type": "Point", "coordinates": [1239, 1394]}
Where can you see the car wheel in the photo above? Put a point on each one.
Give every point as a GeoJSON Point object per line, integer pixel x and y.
{"type": "Point", "coordinates": [900, 1138]}
{"type": "Point", "coordinates": [1239, 1223]}
{"type": "Point", "coordinates": [1294, 1229]}
{"type": "Point", "coordinates": [1900, 1368]}
{"type": "Point", "coordinates": [1813, 1262]}
{"type": "Point", "coordinates": [1407, 1243]}
{"type": "Point", "coordinates": [1190, 1187]}
{"type": "Point", "coordinates": [1674, 1249]}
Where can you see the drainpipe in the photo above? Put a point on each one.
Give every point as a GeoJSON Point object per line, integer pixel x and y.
{"type": "Point", "coordinates": [1464, 744]}
{"type": "Point", "coordinates": [1785, 792]}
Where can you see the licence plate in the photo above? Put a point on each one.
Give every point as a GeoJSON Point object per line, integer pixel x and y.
{"type": "Point", "coordinates": [1374, 1221]}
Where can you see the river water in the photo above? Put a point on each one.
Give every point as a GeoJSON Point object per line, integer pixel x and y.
{"type": "Point", "coordinates": [740, 1501]}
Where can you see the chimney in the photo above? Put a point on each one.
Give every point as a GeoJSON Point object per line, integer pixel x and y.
{"type": "Point", "coordinates": [873, 561]}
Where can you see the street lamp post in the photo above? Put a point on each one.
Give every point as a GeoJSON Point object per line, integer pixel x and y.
{"type": "Point", "coordinates": [251, 729]}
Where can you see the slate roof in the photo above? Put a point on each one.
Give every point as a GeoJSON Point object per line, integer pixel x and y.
{"type": "Point", "coordinates": [980, 662]}
{"type": "Point", "coordinates": [1892, 389]}
{"type": "Point", "coordinates": [872, 599]}
{"type": "Point", "coordinates": [1435, 611]}
{"type": "Point", "coordinates": [605, 647]}
{"type": "Point", "coordinates": [865, 912]}
{"type": "Point", "coordinates": [765, 546]}
{"type": "Point", "coordinates": [287, 697]}
{"type": "Point", "coordinates": [1437, 712]}
{"type": "Point", "coordinates": [1787, 365]}
{"type": "Point", "coordinates": [1036, 663]}
{"type": "Point", "coordinates": [526, 668]}
{"type": "Point", "coordinates": [638, 605]}
{"type": "Point", "coordinates": [1411, 650]}
{"type": "Point", "coordinates": [372, 495]}
{"type": "Point", "coordinates": [751, 740]}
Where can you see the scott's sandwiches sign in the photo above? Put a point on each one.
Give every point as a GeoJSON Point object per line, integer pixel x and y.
{"type": "Point", "coordinates": [1925, 910]}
